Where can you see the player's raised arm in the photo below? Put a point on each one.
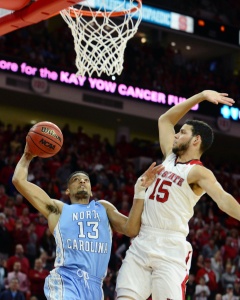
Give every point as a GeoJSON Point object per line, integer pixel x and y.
{"type": "Point", "coordinates": [170, 118]}
{"type": "Point", "coordinates": [34, 194]}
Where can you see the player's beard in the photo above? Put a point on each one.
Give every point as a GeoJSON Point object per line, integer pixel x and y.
{"type": "Point", "coordinates": [82, 195]}
{"type": "Point", "coordinates": [181, 149]}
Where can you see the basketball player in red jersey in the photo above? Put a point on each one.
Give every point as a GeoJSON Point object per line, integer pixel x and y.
{"type": "Point", "coordinates": [158, 260]}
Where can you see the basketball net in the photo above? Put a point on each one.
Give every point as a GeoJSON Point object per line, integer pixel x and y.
{"type": "Point", "coordinates": [101, 33]}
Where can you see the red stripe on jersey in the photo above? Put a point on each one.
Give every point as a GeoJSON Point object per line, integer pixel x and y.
{"type": "Point", "coordinates": [195, 162]}
{"type": "Point", "coordinates": [188, 256]}
{"type": "Point", "coordinates": [183, 286]}
{"type": "Point", "coordinates": [190, 162]}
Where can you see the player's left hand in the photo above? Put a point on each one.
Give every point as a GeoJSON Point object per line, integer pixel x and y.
{"type": "Point", "coordinates": [150, 174]}
{"type": "Point", "coordinates": [216, 98]}
{"type": "Point", "coordinates": [28, 153]}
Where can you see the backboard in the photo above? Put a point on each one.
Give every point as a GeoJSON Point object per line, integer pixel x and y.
{"type": "Point", "coordinates": [17, 14]}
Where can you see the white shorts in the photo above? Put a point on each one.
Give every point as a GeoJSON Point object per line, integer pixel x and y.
{"type": "Point", "coordinates": [157, 263]}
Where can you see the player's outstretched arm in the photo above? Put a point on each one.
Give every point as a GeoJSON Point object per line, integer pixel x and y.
{"type": "Point", "coordinates": [171, 117]}
{"type": "Point", "coordinates": [133, 223]}
{"type": "Point", "coordinates": [34, 194]}
{"type": "Point", "coordinates": [208, 182]}
{"type": "Point", "coordinates": [130, 225]}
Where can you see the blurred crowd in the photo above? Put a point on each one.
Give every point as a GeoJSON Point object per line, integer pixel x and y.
{"type": "Point", "coordinates": [222, 11]}
{"type": "Point", "coordinates": [27, 249]}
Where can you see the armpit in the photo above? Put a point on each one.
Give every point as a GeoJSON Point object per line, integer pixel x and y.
{"type": "Point", "coordinates": [196, 189]}
{"type": "Point", "coordinates": [53, 209]}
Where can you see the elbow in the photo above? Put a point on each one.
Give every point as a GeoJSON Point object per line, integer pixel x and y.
{"type": "Point", "coordinates": [131, 232]}
{"type": "Point", "coordinates": [15, 181]}
{"type": "Point", "coordinates": [161, 119]}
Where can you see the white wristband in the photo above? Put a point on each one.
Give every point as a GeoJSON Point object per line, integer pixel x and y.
{"type": "Point", "coordinates": [139, 190]}
{"type": "Point", "coordinates": [139, 194]}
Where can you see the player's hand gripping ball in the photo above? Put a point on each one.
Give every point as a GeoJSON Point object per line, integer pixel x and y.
{"type": "Point", "coordinates": [44, 139]}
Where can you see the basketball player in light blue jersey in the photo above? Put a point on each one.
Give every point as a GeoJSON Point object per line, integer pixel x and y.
{"type": "Point", "coordinates": [82, 231]}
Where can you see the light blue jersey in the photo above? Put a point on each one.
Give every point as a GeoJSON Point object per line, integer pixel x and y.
{"type": "Point", "coordinates": [83, 246]}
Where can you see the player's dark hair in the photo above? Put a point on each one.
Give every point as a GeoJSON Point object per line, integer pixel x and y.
{"type": "Point", "coordinates": [204, 130]}
{"type": "Point", "coordinates": [76, 172]}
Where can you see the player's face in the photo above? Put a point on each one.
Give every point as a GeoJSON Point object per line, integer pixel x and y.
{"type": "Point", "coordinates": [79, 186]}
{"type": "Point", "coordinates": [182, 140]}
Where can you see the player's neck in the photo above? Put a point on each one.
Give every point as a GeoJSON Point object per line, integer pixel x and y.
{"type": "Point", "coordinates": [188, 156]}
{"type": "Point", "coordinates": [80, 201]}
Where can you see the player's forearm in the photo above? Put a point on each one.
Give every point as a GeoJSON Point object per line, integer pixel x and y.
{"type": "Point", "coordinates": [230, 206]}
{"type": "Point", "coordinates": [33, 193]}
{"type": "Point", "coordinates": [174, 114]}
{"type": "Point", "coordinates": [133, 223]}
{"type": "Point", "coordinates": [21, 170]}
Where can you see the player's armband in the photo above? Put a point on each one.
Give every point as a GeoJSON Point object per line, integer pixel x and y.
{"type": "Point", "coordinates": [139, 190]}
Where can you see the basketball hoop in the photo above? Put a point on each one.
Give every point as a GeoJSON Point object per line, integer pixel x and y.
{"type": "Point", "coordinates": [101, 33]}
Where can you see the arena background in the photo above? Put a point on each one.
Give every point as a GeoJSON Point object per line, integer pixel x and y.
{"type": "Point", "coordinates": [208, 47]}
{"type": "Point", "coordinates": [214, 55]}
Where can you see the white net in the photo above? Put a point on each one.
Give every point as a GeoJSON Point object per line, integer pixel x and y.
{"type": "Point", "coordinates": [101, 38]}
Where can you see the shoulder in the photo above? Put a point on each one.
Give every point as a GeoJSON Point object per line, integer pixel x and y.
{"type": "Point", "coordinates": [169, 156]}
{"type": "Point", "coordinates": [107, 205]}
{"type": "Point", "coordinates": [200, 171]}
{"type": "Point", "coordinates": [59, 204]}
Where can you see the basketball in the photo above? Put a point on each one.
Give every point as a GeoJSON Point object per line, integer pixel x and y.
{"type": "Point", "coordinates": [44, 139]}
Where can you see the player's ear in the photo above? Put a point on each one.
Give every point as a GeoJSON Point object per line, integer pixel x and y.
{"type": "Point", "coordinates": [197, 139]}
{"type": "Point", "coordinates": [67, 192]}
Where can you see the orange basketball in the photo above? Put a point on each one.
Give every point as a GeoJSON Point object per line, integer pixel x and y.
{"type": "Point", "coordinates": [44, 139]}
